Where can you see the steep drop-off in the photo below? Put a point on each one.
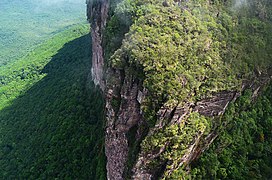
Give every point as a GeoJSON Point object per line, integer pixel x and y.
{"type": "Point", "coordinates": [171, 75]}
{"type": "Point", "coordinates": [98, 13]}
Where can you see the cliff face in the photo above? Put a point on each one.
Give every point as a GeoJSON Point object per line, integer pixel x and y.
{"type": "Point", "coordinates": [97, 13]}
{"type": "Point", "coordinates": [118, 85]}
{"type": "Point", "coordinates": [127, 96]}
{"type": "Point", "coordinates": [120, 121]}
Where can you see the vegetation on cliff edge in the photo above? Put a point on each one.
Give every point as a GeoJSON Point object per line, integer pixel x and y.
{"type": "Point", "coordinates": [184, 51]}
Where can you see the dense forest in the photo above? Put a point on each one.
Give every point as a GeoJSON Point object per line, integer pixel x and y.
{"type": "Point", "coordinates": [186, 52]}
{"type": "Point", "coordinates": [188, 91]}
{"type": "Point", "coordinates": [50, 113]}
{"type": "Point", "coordinates": [27, 23]}
{"type": "Point", "coordinates": [244, 148]}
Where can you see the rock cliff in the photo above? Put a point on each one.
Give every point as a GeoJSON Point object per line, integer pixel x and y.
{"type": "Point", "coordinates": [118, 121]}
{"type": "Point", "coordinates": [97, 13]}
{"type": "Point", "coordinates": [126, 124]}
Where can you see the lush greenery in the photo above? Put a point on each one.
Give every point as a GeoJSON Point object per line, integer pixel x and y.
{"type": "Point", "coordinates": [184, 51]}
{"type": "Point", "coordinates": [189, 51]}
{"type": "Point", "coordinates": [174, 141]}
{"type": "Point", "coordinates": [51, 114]}
{"type": "Point", "coordinates": [244, 147]}
{"type": "Point", "coordinates": [26, 23]}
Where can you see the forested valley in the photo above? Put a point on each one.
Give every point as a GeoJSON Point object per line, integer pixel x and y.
{"type": "Point", "coordinates": [50, 113]}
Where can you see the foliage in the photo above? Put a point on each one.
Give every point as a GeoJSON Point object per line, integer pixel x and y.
{"type": "Point", "coordinates": [173, 141]}
{"type": "Point", "coordinates": [119, 23]}
{"type": "Point", "coordinates": [188, 51]}
{"type": "Point", "coordinates": [51, 114]}
{"type": "Point", "coordinates": [27, 23]}
{"type": "Point", "coordinates": [243, 149]}
{"type": "Point", "coordinates": [184, 51]}
{"type": "Point", "coordinates": [17, 77]}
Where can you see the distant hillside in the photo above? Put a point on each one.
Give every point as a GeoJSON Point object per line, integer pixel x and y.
{"type": "Point", "coordinates": [26, 23]}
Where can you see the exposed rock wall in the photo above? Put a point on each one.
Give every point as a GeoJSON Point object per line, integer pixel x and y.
{"type": "Point", "coordinates": [121, 90]}
{"type": "Point", "coordinates": [211, 107]}
{"type": "Point", "coordinates": [120, 119]}
{"type": "Point", "coordinates": [97, 13]}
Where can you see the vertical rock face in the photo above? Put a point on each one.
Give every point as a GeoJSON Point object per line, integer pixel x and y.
{"type": "Point", "coordinates": [120, 120]}
{"type": "Point", "coordinates": [97, 12]}
{"type": "Point", "coordinates": [121, 92]}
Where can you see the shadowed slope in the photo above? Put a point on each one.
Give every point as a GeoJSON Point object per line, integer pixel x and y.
{"type": "Point", "coordinates": [53, 130]}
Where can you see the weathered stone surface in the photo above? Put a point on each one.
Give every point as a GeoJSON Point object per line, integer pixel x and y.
{"type": "Point", "coordinates": [97, 12]}
{"type": "Point", "coordinates": [119, 121]}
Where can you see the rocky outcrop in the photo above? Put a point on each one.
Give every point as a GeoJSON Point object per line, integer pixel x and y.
{"type": "Point", "coordinates": [128, 90]}
{"type": "Point", "coordinates": [122, 113]}
{"type": "Point", "coordinates": [97, 13]}
{"type": "Point", "coordinates": [122, 95]}
{"type": "Point", "coordinates": [211, 107]}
